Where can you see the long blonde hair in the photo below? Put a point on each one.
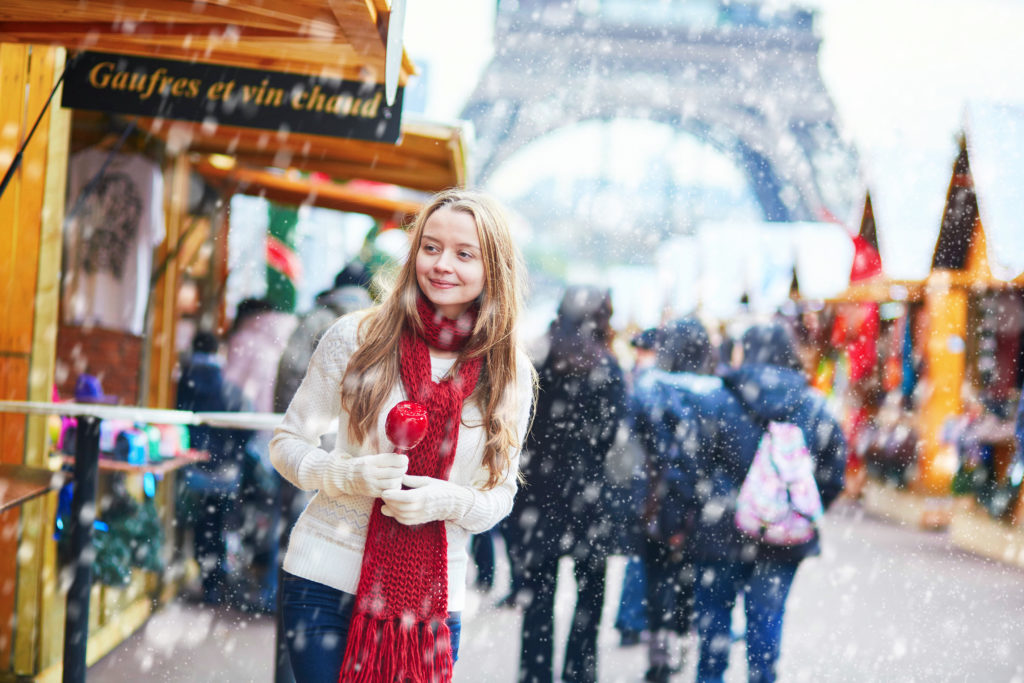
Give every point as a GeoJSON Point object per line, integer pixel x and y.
{"type": "Point", "coordinates": [373, 370]}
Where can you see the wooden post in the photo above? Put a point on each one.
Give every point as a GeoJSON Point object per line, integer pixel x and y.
{"type": "Point", "coordinates": [38, 598]}
{"type": "Point", "coordinates": [162, 356]}
{"type": "Point", "coordinates": [29, 259]}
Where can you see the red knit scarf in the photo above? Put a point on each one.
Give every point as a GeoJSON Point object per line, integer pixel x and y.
{"type": "Point", "coordinates": [398, 632]}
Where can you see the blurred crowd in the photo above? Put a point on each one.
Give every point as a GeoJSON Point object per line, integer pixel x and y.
{"type": "Point", "coordinates": [644, 454]}
{"type": "Point", "coordinates": [640, 445]}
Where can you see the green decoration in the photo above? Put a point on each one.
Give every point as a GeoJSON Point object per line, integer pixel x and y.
{"type": "Point", "coordinates": [284, 268]}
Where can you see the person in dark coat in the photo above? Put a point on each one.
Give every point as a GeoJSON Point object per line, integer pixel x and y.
{"type": "Point", "coordinates": [1018, 430]}
{"type": "Point", "coordinates": [215, 485]}
{"type": "Point", "coordinates": [561, 511]}
{"type": "Point", "coordinates": [631, 618]}
{"type": "Point", "coordinates": [769, 385]}
{"type": "Point", "coordinates": [670, 404]}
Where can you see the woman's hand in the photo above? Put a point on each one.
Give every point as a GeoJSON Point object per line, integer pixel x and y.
{"type": "Point", "coordinates": [365, 475]}
{"type": "Point", "coordinates": [426, 500]}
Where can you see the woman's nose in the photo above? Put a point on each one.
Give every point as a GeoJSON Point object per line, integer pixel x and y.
{"type": "Point", "coordinates": [443, 262]}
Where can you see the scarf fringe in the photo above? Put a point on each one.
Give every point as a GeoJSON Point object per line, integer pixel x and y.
{"type": "Point", "coordinates": [387, 651]}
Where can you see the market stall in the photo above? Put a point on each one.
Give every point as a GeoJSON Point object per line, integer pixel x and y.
{"type": "Point", "coordinates": [859, 345]}
{"type": "Point", "coordinates": [986, 260]}
{"type": "Point", "coordinates": [952, 363]}
{"type": "Point", "coordinates": [316, 44]}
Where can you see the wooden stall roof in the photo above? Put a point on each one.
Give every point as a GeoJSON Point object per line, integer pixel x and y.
{"type": "Point", "coordinates": [342, 38]}
{"type": "Point", "coordinates": [428, 156]}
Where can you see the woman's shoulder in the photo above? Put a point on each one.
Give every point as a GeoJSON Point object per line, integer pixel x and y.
{"type": "Point", "coordinates": [343, 336]}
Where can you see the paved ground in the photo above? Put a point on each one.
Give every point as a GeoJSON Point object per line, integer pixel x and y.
{"type": "Point", "coordinates": [883, 603]}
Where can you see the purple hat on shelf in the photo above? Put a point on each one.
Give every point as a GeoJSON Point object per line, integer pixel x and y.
{"type": "Point", "coordinates": [88, 389]}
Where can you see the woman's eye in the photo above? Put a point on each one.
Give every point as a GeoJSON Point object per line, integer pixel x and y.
{"type": "Point", "coordinates": [430, 248]}
{"type": "Point", "coordinates": [465, 255]}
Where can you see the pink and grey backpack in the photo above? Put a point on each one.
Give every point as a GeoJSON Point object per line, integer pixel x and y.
{"type": "Point", "coordinates": [779, 502]}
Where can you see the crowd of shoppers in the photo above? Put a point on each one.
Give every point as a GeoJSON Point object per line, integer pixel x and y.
{"type": "Point", "coordinates": [700, 420]}
{"type": "Point", "coordinates": [646, 462]}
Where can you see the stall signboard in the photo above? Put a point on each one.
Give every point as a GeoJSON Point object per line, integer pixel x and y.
{"type": "Point", "coordinates": [233, 96]}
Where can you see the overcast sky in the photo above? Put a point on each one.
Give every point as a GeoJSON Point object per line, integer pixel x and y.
{"type": "Point", "coordinates": [893, 66]}
{"type": "Point", "coordinates": [899, 71]}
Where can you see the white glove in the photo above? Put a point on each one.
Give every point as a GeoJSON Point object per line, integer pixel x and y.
{"type": "Point", "coordinates": [365, 475]}
{"type": "Point", "coordinates": [426, 500]}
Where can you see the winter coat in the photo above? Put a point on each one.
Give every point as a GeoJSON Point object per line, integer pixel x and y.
{"type": "Point", "coordinates": [710, 431]}
{"type": "Point", "coordinates": [203, 388]}
{"type": "Point", "coordinates": [563, 508]}
{"type": "Point", "coordinates": [1019, 427]}
{"type": "Point", "coordinates": [629, 469]}
{"type": "Point", "coordinates": [254, 351]}
{"type": "Point", "coordinates": [672, 417]}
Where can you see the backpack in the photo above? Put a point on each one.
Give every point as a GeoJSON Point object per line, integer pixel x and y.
{"type": "Point", "coordinates": [779, 502]}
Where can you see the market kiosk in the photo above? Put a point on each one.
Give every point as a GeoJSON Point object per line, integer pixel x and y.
{"type": "Point", "coordinates": [961, 352]}
{"type": "Point", "coordinates": [979, 435]}
{"type": "Point", "coordinates": [854, 344]}
{"type": "Point", "coordinates": [338, 40]}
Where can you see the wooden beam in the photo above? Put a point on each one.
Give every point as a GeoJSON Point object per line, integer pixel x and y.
{"type": "Point", "coordinates": [303, 191]}
{"type": "Point", "coordinates": [161, 354]}
{"type": "Point", "coordinates": [92, 30]}
{"type": "Point", "coordinates": [428, 156]}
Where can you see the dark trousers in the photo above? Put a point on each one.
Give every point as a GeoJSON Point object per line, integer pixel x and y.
{"type": "Point", "coordinates": [482, 547]}
{"type": "Point", "coordinates": [538, 586]}
{"type": "Point", "coordinates": [316, 619]}
{"type": "Point", "coordinates": [210, 546]}
{"type": "Point", "coordinates": [669, 588]}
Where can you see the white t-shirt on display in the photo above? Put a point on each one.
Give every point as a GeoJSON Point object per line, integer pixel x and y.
{"type": "Point", "coordinates": [109, 241]}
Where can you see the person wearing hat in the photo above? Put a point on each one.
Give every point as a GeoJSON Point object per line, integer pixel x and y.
{"type": "Point", "coordinates": [213, 487]}
{"type": "Point", "coordinates": [668, 402]}
{"type": "Point", "coordinates": [349, 293]}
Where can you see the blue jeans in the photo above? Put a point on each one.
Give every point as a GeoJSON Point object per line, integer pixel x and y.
{"type": "Point", "coordinates": [316, 619]}
{"type": "Point", "coordinates": [632, 614]}
{"type": "Point", "coordinates": [765, 587]}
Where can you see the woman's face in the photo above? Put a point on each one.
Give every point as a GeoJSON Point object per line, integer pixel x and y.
{"type": "Point", "coordinates": [449, 261]}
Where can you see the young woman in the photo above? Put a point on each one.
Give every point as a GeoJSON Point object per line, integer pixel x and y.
{"type": "Point", "coordinates": [376, 565]}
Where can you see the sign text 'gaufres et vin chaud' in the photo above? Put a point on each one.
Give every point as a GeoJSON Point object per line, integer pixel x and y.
{"type": "Point", "coordinates": [234, 96]}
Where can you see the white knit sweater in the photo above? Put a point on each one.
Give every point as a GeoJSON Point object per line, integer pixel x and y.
{"type": "Point", "coordinates": [326, 544]}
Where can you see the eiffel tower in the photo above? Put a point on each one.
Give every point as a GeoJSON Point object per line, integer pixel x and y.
{"type": "Point", "coordinates": [733, 74]}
